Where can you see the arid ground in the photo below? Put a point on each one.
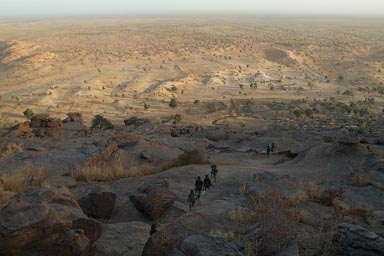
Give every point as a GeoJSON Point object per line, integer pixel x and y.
{"type": "Point", "coordinates": [183, 94]}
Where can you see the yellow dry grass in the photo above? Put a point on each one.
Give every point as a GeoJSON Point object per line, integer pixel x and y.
{"type": "Point", "coordinates": [314, 190]}
{"type": "Point", "coordinates": [25, 179]}
{"type": "Point", "coordinates": [114, 170]}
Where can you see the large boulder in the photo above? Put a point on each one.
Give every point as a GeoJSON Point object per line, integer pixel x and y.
{"type": "Point", "coordinates": [355, 240]}
{"type": "Point", "coordinates": [73, 117]}
{"type": "Point", "coordinates": [153, 200]}
{"type": "Point", "coordinates": [28, 227]}
{"type": "Point", "coordinates": [46, 222]}
{"type": "Point", "coordinates": [201, 245]}
{"type": "Point", "coordinates": [45, 126]}
{"type": "Point", "coordinates": [98, 205]}
{"type": "Point", "coordinates": [92, 228]}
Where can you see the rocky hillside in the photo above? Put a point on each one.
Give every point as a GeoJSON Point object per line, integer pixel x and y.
{"type": "Point", "coordinates": [67, 189]}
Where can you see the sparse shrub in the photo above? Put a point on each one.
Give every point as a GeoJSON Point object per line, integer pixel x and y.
{"type": "Point", "coordinates": [314, 190]}
{"type": "Point", "coordinates": [362, 212]}
{"type": "Point", "coordinates": [101, 123]}
{"type": "Point", "coordinates": [28, 113]}
{"type": "Point", "coordinates": [10, 150]}
{"type": "Point", "coordinates": [146, 106]}
{"type": "Point", "coordinates": [348, 93]}
{"type": "Point", "coordinates": [330, 194]}
{"type": "Point", "coordinates": [196, 102]}
{"type": "Point", "coordinates": [360, 178]}
{"type": "Point", "coordinates": [244, 190]}
{"type": "Point", "coordinates": [176, 119]}
{"type": "Point", "coordinates": [192, 157]}
{"type": "Point", "coordinates": [173, 103]}
{"type": "Point", "coordinates": [227, 235]}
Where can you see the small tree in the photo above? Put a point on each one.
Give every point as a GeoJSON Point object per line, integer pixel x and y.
{"type": "Point", "coordinates": [348, 93]}
{"type": "Point", "coordinates": [101, 123]}
{"type": "Point", "coordinates": [28, 113]}
{"type": "Point", "coordinates": [176, 119]}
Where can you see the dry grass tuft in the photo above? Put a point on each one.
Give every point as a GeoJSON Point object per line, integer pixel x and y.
{"type": "Point", "coordinates": [360, 178]}
{"type": "Point", "coordinates": [314, 190]}
{"type": "Point", "coordinates": [112, 170]}
{"type": "Point", "coordinates": [227, 235]}
{"type": "Point", "coordinates": [195, 156]}
{"type": "Point", "coordinates": [10, 150]}
{"type": "Point", "coordinates": [298, 197]}
{"type": "Point", "coordinates": [25, 179]}
{"type": "Point", "coordinates": [362, 212]}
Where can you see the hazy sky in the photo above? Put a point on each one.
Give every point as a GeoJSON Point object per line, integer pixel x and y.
{"type": "Point", "coordinates": [17, 8]}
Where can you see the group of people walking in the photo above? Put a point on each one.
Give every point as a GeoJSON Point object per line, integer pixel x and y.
{"type": "Point", "coordinates": [201, 186]}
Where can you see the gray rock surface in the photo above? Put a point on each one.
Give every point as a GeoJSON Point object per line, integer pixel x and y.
{"type": "Point", "coordinates": [355, 240]}
{"type": "Point", "coordinates": [199, 245]}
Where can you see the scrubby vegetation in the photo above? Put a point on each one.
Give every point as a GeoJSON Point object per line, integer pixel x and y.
{"type": "Point", "coordinates": [101, 123]}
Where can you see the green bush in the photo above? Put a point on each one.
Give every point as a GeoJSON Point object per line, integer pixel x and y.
{"type": "Point", "coordinates": [101, 123]}
{"type": "Point", "coordinates": [28, 113]}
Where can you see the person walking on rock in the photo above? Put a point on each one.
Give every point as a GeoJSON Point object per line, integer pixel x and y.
{"type": "Point", "coordinates": [207, 183]}
{"type": "Point", "coordinates": [198, 187]}
{"type": "Point", "coordinates": [191, 200]}
{"type": "Point", "coordinates": [269, 149]}
{"type": "Point", "coordinates": [214, 172]}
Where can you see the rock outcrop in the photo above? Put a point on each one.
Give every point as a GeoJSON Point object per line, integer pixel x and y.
{"type": "Point", "coordinates": [98, 205]}
{"type": "Point", "coordinates": [153, 200]}
{"type": "Point", "coordinates": [46, 222]}
{"type": "Point", "coordinates": [200, 245]}
{"type": "Point", "coordinates": [354, 240]}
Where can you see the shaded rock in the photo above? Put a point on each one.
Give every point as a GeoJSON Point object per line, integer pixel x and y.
{"type": "Point", "coordinates": [122, 239]}
{"type": "Point", "coordinates": [355, 240]}
{"type": "Point", "coordinates": [36, 146]}
{"type": "Point", "coordinates": [135, 121]}
{"type": "Point", "coordinates": [290, 250]}
{"type": "Point", "coordinates": [91, 228]}
{"type": "Point", "coordinates": [329, 139]}
{"type": "Point", "coordinates": [167, 239]}
{"type": "Point", "coordinates": [73, 117]}
{"type": "Point", "coordinates": [175, 252]}
{"type": "Point", "coordinates": [24, 127]}
{"type": "Point", "coordinates": [88, 149]}
{"type": "Point", "coordinates": [22, 155]}
{"type": "Point", "coordinates": [153, 200]}
{"type": "Point", "coordinates": [43, 125]}
{"type": "Point", "coordinates": [22, 225]}
{"type": "Point", "coordinates": [62, 200]}
{"type": "Point", "coordinates": [349, 140]}
{"type": "Point", "coordinates": [201, 245]}
{"type": "Point", "coordinates": [98, 205]}
{"type": "Point", "coordinates": [40, 223]}
{"type": "Point", "coordinates": [39, 120]}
